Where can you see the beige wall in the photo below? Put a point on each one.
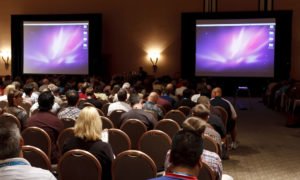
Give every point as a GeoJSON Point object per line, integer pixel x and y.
{"type": "Point", "coordinates": [132, 27]}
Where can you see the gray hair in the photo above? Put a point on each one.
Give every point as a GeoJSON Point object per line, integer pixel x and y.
{"type": "Point", "coordinates": [9, 140]}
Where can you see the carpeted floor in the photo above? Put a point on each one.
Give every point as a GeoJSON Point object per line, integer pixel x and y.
{"type": "Point", "coordinates": [267, 149]}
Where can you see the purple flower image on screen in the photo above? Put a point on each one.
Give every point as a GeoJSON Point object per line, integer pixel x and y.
{"type": "Point", "coordinates": [235, 51]}
{"type": "Point", "coordinates": [58, 48]}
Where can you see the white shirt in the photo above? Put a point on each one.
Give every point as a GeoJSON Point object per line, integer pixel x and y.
{"type": "Point", "coordinates": [118, 105]}
{"type": "Point", "coordinates": [233, 112]}
{"type": "Point", "coordinates": [54, 109]}
{"type": "Point", "coordinates": [3, 98]}
{"type": "Point", "coordinates": [20, 169]}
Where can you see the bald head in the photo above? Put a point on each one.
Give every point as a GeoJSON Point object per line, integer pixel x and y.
{"type": "Point", "coordinates": [153, 97]}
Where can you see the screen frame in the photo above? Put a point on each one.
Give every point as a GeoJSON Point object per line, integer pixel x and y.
{"type": "Point", "coordinates": [283, 33]}
{"type": "Point", "coordinates": [94, 43]}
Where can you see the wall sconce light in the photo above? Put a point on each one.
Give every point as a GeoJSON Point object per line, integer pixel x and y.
{"type": "Point", "coordinates": [154, 59]}
{"type": "Point", "coordinates": [5, 58]}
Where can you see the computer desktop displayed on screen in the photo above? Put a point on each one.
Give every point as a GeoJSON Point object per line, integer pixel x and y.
{"type": "Point", "coordinates": [56, 47]}
{"type": "Point", "coordinates": [235, 47]}
{"type": "Point", "coordinates": [66, 44]}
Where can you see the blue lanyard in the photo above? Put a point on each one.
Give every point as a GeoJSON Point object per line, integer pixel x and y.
{"type": "Point", "coordinates": [13, 163]}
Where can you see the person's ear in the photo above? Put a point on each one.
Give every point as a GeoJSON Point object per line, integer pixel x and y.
{"type": "Point", "coordinates": [200, 164]}
{"type": "Point", "coordinates": [21, 142]}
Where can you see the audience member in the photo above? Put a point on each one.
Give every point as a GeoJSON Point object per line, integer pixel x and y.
{"type": "Point", "coordinates": [202, 113]}
{"type": "Point", "coordinates": [12, 163]}
{"type": "Point", "coordinates": [151, 104]}
{"type": "Point", "coordinates": [185, 156]}
{"type": "Point", "coordinates": [54, 109]}
{"type": "Point", "coordinates": [186, 99]}
{"type": "Point", "coordinates": [217, 100]}
{"type": "Point", "coordinates": [90, 98]}
{"type": "Point", "coordinates": [213, 119]}
{"type": "Point", "coordinates": [71, 111]}
{"type": "Point", "coordinates": [14, 99]}
{"type": "Point", "coordinates": [88, 131]}
{"type": "Point", "coordinates": [48, 121]}
{"type": "Point", "coordinates": [120, 104]}
{"type": "Point", "coordinates": [5, 92]}
{"type": "Point", "coordinates": [137, 112]}
{"type": "Point", "coordinates": [28, 90]}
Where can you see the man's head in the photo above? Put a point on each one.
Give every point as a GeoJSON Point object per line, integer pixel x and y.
{"type": "Point", "coordinates": [201, 111]}
{"type": "Point", "coordinates": [122, 95]}
{"type": "Point", "coordinates": [72, 97]}
{"type": "Point", "coordinates": [186, 150]}
{"type": "Point", "coordinates": [135, 101]}
{"type": "Point", "coordinates": [10, 140]}
{"type": "Point", "coordinates": [46, 101]}
{"type": "Point", "coordinates": [216, 92]}
{"type": "Point", "coordinates": [153, 97]}
{"type": "Point", "coordinates": [204, 100]}
{"type": "Point", "coordinates": [28, 89]}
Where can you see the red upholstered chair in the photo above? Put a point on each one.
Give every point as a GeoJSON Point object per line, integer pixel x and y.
{"type": "Point", "coordinates": [156, 144]}
{"type": "Point", "coordinates": [115, 117]}
{"type": "Point", "coordinates": [133, 165]}
{"type": "Point", "coordinates": [36, 157]}
{"type": "Point", "coordinates": [168, 126]}
{"type": "Point", "coordinates": [39, 138]}
{"type": "Point", "coordinates": [118, 140]}
{"type": "Point", "coordinates": [63, 137]}
{"type": "Point", "coordinates": [176, 115]}
{"type": "Point", "coordinates": [134, 128]}
{"type": "Point", "coordinates": [78, 165]}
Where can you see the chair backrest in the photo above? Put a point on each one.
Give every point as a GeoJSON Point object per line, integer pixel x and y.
{"type": "Point", "coordinates": [79, 164]}
{"type": "Point", "coordinates": [134, 165]}
{"type": "Point", "coordinates": [206, 173]}
{"type": "Point", "coordinates": [10, 117]}
{"type": "Point", "coordinates": [68, 122]}
{"type": "Point", "coordinates": [156, 144]}
{"type": "Point", "coordinates": [26, 106]}
{"type": "Point", "coordinates": [185, 109]}
{"type": "Point", "coordinates": [134, 128]}
{"type": "Point", "coordinates": [105, 108]}
{"type": "Point", "coordinates": [100, 112]}
{"type": "Point", "coordinates": [39, 138]}
{"type": "Point", "coordinates": [115, 117]}
{"type": "Point", "coordinates": [223, 114]}
{"type": "Point", "coordinates": [36, 157]}
{"type": "Point", "coordinates": [118, 140]}
{"type": "Point", "coordinates": [168, 126]}
{"type": "Point", "coordinates": [210, 144]}
{"type": "Point", "coordinates": [106, 123]}
{"type": "Point", "coordinates": [176, 115]}
{"type": "Point", "coordinates": [63, 137]}
{"type": "Point", "coordinates": [3, 104]}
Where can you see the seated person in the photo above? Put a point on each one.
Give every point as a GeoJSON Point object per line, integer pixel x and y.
{"type": "Point", "coordinates": [120, 104]}
{"type": "Point", "coordinates": [12, 163]}
{"type": "Point", "coordinates": [71, 111]}
{"type": "Point", "coordinates": [151, 104]}
{"type": "Point", "coordinates": [47, 121]}
{"type": "Point", "coordinates": [88, 130]}
{"type": "Point", "coordinates": [138, 113]}
{"type": "Point", "coordinates": [210, 158]}
{"type": "Point", "coordinates": [185, 156]}
{"type": "Point", "coordinates": [14, 99]}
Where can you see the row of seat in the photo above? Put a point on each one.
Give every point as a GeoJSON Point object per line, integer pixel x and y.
{"type": "Point", "coordinates": [79, 164]}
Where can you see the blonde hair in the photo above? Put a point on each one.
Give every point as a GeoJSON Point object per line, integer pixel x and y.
{"type": "Point", "coordinates": [88, 125]}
